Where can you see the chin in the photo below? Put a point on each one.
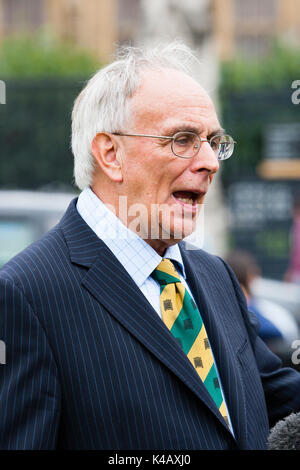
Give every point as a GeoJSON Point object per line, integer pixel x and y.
{"type": "Point", "coordinates": [180, 229]}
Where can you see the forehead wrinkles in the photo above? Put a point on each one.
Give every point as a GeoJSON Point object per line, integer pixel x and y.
{"type": "Point", "coordinates": [169, 93]}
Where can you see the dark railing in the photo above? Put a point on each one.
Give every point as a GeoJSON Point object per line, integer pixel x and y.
{"type": "Point", "coordinates": [35, 130]}
{"type": "Point", "coordinates": [261, 208]}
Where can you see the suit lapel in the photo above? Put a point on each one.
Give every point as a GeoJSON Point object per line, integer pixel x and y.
{"type": "Point", "coordinates": [126, 303]}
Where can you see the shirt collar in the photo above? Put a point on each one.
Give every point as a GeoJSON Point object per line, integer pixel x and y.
{"type": "Point", "coordinates": [138, 258]}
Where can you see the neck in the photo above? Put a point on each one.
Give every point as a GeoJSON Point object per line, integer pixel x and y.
{"type": "Point", "coordinates": [118, 205]}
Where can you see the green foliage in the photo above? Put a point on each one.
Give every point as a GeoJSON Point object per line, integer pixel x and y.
{"type": "Point", "coordinates": [274, 71]}
{"type": "Point", "coordinates": [42, 55]}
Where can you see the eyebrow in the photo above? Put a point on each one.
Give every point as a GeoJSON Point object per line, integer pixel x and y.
{"type": "Point", "coordinates": [188, 128]}
{"type": "Point", "coordinates": [220, 130]}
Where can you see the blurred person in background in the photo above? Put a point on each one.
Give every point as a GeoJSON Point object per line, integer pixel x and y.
{"type": "Point", "coordinates": [293, 272]}
{"type": "Point", "coordinates": [118, 336]}
{"type": "Point", "coordinates": [278, 328]}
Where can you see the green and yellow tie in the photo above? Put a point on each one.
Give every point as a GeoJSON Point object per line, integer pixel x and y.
{"type": "Point", "coordinates": [183, 319]}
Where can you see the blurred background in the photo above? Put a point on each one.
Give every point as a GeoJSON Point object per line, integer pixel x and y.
{"type": "Point", "coordinates": [249, 61]}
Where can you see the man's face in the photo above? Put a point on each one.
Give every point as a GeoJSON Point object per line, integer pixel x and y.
{"type": "Point", "coordinates": [168, 189]}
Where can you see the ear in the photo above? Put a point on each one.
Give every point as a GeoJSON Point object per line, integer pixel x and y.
{"type": "Point", "coordinates": [104, 149]}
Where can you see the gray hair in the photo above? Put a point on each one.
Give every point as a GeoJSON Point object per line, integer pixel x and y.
{"type": "Point", "coordinates": [103, 105]}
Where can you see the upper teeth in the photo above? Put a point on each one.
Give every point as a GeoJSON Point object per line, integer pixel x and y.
{"type": "Point", "coordinates": [186, 200]}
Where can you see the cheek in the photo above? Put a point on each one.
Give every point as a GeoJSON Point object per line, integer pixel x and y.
{"type": "Point", "coordinates": [149, 174]}
{"type": "Point", "coordinates": [143, 175]}
{"type": "Point", "coordinates": [140, 185]}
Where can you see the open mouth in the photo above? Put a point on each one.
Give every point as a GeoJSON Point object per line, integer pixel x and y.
{"type": "Point", "coordinates": [186, 197]}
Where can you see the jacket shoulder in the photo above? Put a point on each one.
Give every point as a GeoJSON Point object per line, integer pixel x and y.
{"type": "Point", "coordinates": [206, 260]}
{"type": "Point", "coordinates": [36, 259]}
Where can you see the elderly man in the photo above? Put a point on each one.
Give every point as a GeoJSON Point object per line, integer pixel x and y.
{"type": "Point", "coordinates": [117, 336]}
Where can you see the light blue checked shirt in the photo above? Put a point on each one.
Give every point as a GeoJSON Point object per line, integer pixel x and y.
{"type": "Point", "coordinates": [137, 257]}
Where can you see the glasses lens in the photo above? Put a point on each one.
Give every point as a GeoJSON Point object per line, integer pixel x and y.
{"type": "Point", "coordinates": [186, 144]}
{"type": "Point", "coordinates": [223, 146]}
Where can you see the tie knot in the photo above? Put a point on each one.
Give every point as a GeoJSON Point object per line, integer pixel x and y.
{"type": "Point", "coordinates": [166, 273]}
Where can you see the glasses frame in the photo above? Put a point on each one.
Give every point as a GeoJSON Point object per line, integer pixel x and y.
{"type": "Point", "coordinates": [175, 136]}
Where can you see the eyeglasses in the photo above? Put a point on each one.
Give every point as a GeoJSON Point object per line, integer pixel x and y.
{"type": "Point", "coordinates": [187, 144]}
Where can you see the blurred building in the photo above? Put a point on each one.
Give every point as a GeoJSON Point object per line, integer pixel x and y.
{"type": "Point", "coordinates": [91, 24]}
{"type": "Point", "coordinates": [96, 25]}
{"type": "Point", "coordinates": [248, 27]}
{"type": "Point", "coordinates": [241, 27]}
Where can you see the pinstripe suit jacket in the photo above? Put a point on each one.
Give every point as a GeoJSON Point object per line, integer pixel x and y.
{"type": "Point", "coordinates": [90, 365]}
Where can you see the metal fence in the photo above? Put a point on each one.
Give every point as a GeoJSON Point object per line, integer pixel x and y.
{"type": "Point", "coordinates": [261, 210]}
{"type": "Point", "coordinates": [35, 130]}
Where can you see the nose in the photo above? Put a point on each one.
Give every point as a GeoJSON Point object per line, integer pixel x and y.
{"type": "Point", "coordinates": [205, 160]}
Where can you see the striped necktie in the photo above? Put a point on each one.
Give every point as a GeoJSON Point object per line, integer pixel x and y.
{"type": "Point", "coordinates": [183, 319]}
